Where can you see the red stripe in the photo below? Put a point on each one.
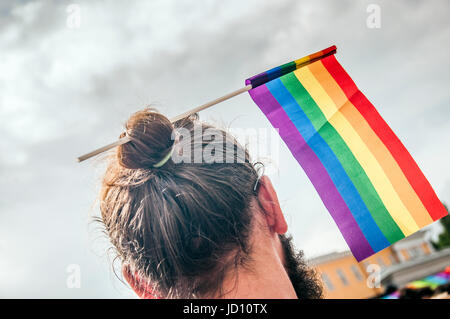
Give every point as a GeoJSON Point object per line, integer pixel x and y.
{"type": "Point", "coordinates": [407, 164]}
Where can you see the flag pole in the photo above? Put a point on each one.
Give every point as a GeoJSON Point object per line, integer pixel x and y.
{"type": "Point", "coordinates": [202, 107]}
{"type": "Point", "coordinates": [211, 103]}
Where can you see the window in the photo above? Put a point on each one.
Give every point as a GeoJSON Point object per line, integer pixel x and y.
{"type": "Point", "coordinates": [342, 277]}
{"type": "Point", "coordinates": [366, 264]}
{"type": "Point", "coordinates": [327, 281]}
{"type": "Point", "coordinates": [356, 272]}
{"type": "Point", "coordinates": [405, 254]}
{"type": "Point", "coordinates": [415, 252]}
{"type": "Point", "coordinates": [392, 259]}
{"type": "Point", "coordinates": [426, 249]}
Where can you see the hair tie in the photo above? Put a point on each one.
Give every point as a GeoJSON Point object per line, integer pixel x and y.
{"type": "Point", "coordinates": [165, 159]}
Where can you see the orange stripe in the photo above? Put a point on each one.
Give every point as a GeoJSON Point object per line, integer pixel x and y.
{"type": "Point", "coordinates": [401, 185]}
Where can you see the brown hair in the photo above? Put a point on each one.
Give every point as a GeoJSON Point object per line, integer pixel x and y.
{"type": "Point", "coordinates": [181, 226]}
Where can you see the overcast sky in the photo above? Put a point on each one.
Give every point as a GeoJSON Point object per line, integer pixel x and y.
{"type": "Point", "coordinates": [67, 89]}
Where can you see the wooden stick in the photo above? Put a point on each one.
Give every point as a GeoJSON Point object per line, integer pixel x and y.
{"type": "Point", "coordinates": [213, 102]}
{"type": "Point", "coordinates": [121, 141]}
{"type": "Point", "coordinates": [126, 139]}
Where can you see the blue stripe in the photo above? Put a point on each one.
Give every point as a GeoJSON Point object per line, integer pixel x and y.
{"type": "Point", "coordinates": [331, 163]}
{"type": "Point", "coordinates": [274, 73]}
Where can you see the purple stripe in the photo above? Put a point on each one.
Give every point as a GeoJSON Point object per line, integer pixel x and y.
{"type": "Point", "coordinates": [316, 172]}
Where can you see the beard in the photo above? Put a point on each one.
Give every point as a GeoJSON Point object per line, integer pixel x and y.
{"type": "Point", "coordinates": [303, 278]}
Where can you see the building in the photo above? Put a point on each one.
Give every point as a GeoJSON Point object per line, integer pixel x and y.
{"type": "Point", "coordinates": [413, 269]}
{"type": "Point", "coordinates": [344, 277]}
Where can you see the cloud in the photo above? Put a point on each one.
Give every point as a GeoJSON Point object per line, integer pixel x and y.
{"type": "Point", "coordinates": [66, 91]}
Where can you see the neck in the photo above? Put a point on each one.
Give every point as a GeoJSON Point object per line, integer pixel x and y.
{"type": "Point", "coordinates": [264, 278]}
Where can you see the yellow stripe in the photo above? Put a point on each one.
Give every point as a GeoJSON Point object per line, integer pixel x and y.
{"type": "Point", "coordinates": [374, 171]}
{"type": "Point", "coordinates": [381, 153]}
{"type": "Point", "coordinates": [301, 61]}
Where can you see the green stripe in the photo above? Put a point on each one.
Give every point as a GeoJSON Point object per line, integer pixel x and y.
{"type": "Point", "coordinates": [288, 66]}
{"type": "Point", "coordinates": [351, 165]}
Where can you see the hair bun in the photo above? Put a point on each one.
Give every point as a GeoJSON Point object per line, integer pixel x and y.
{"type": "Point", "coordinates": [151, 139]}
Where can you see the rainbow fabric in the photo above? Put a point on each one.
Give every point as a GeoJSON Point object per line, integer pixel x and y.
{"type": "Point", "coordinates": [432, 282]}
{"type": "Point", "coordinates": [368, 181]}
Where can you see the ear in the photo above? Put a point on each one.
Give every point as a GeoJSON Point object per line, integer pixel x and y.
{"type": "Point", "coordinates": [132, 281]}
{"type": "Point", "coordinates": [269, 201]}
{"type": "Point", "coordinates": [139, 287]}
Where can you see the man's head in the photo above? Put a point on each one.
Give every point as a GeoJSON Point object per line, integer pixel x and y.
{"type": "Point", "coordinates": [183, 227]}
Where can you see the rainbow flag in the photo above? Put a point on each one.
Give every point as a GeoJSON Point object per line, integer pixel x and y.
{"type": "Point", "coordinates": [366, 178]}
{"type": "Point", "coordinates": [432, 281]}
